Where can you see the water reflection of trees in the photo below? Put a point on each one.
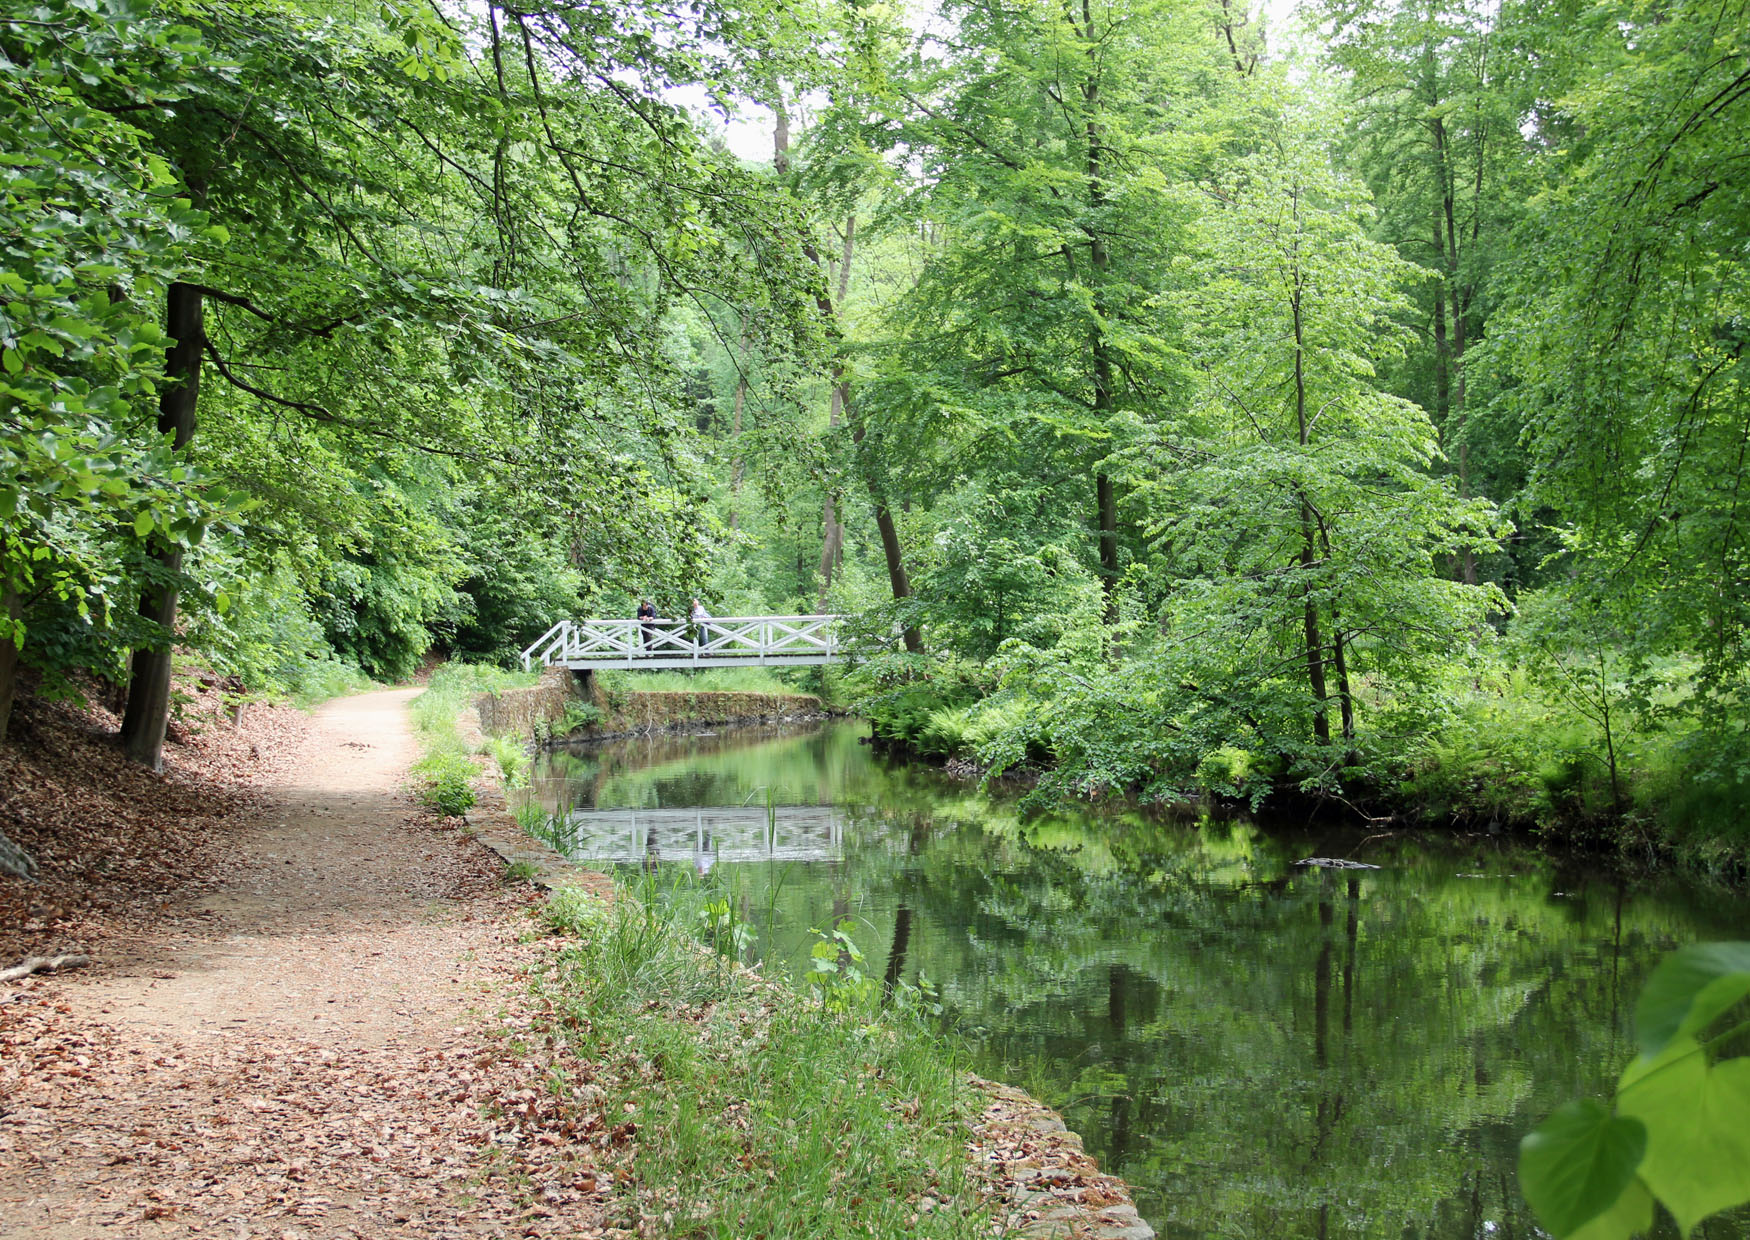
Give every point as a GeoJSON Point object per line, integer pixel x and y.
{"type": "Point", "coordinates": [1262, 1051]}
{"type": "Point", "coordinates": [1271, 1053]}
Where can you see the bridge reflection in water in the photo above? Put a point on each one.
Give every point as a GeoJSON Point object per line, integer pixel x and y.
{"type": "Point", "coordinates": [703, 835]}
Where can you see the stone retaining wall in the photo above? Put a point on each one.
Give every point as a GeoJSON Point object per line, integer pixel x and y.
{"type": "Point", "coordinates": [519, 711]}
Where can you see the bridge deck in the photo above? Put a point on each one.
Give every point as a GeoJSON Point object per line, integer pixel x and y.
{"type": "Point", "coordinates": [727, 641]}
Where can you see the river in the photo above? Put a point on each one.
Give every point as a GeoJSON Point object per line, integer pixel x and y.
{"type": "Point", "coordinates": [1259, 1049]}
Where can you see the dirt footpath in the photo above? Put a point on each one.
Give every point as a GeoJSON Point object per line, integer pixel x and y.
{"type": "Point", "coordinates": [325, 1046]}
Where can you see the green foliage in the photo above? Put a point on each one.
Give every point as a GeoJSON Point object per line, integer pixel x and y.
{"type": "Point", "coordinates": [448, 783]}
{"type": "Point", "coordinates": [446, 767]}
{"type": "Point", "coordinates": [1619, 355]}
{"type": "Point", "coordinates": [706, 680]}
{"type": "Point", "coordinates": [578, 716]}
{"type": "Point", "coordinates": [1676, 1133]}
{"type": "Point", "coordinates": [905, 697]}
{"type": "Point", "coordinates": [1226, 772]}
{"type": "Point", "coordinates": [835, 971]}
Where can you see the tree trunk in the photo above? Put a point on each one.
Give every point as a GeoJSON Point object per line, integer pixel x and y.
{"type": "Point", "coordinates": [1315, 647]}
{"type": "Point", "coordinates": [148, 707]}
{"type": "Point", "coordinates": [1442, 351]}
{"type": "Point", "coordinates": [832, 535]}
{"type": "Point", "coordinates": [1345, 700]}
{"type": "Point", "coordinates": [1340, 661]}
{"type": "Point", "coordinates": [14, 608]}
{"type": "Point", "coordinates": [1100, 347]}
{"type": "Point", "coordinates": [896, 574]}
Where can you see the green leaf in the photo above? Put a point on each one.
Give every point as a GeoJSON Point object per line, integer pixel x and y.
{"type": "Point", "coordinates": [1690, 987]}
{"type": "Point", "coordinates": [222, 601]}
{"type": "Point", "coordinates": [1698, 1138]}
{"type": "Point", "coordinates": [142, 525]}
{"type": "Point", "coordinates": [1577, 1164]}
{"type": "Point", "coordinates": [1632, 1214]}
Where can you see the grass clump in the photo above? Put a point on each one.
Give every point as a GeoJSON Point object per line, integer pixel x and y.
{"type": "Point", "coordinates": [758, 1111]}
{"type": "Point", "coordinates": [512, 759]}
{"type": "Point", "coordinates": [448, 783]}
{"type": "Point", "coordinates": [446, 768]}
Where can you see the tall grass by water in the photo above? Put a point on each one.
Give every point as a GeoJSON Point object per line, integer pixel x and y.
{"type": "Point", "coordinates": [760, 1111]}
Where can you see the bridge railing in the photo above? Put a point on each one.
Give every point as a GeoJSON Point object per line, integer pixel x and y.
{"type": "Point", "coordinates": [663, 642]}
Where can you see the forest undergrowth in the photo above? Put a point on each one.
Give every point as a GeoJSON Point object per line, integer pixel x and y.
{"type": "Point", "coordinates": [1632, 772]}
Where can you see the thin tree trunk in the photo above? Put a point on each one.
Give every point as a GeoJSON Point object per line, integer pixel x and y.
{"type": "Point", "coordinates": [13, 605]}
{"type": "Point", "coordinates": [1449, 358]}
{"type": "Point", "coordinates": [1442, 351]}
{"type": "Point", "coordinates": [1100, 347]}
{"type": "Point", "coordinates": [1340, 659]}
{"type": "Point", "coordinates": [1315, 646]}
{"type": "Point", "coordinates": [896, 574]}
{"type": "Point", "coordinates": [148, 707]}
{"type": "Point", "coordinates": [831, 532]}
{"type": "Point", "coordinates": [1345, 700]}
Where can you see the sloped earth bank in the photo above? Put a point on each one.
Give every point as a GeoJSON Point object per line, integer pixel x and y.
{"type": "Point", "coordinates": [305, 1017]}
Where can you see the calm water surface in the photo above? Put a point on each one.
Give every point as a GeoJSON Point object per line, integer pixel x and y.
{"type": "Point", "coordinates": [1259, 1050]}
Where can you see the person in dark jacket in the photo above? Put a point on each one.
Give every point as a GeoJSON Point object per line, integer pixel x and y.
{"type": "Point", "coordinates": [646, 613]}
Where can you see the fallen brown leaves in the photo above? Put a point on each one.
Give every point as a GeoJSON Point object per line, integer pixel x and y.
{"type": "Point", "coordinates": [475, 1133]}
{"type": "Point", "coordinates": [115, 843]}
{"type": "Point", "coordinates": [1043, 1182]}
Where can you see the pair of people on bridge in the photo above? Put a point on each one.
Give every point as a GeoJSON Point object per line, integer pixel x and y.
{"type": "Point", "coordinates": [700, 618]}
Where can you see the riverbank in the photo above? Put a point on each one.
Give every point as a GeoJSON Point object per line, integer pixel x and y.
{"type": "Point", "coordinates": [844, 1114]}
{"type": "Point", "coordinates": [1657, 789]}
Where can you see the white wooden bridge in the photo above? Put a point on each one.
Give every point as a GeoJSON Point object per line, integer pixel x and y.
{"type": "Point", "coordinates": [726, 641]}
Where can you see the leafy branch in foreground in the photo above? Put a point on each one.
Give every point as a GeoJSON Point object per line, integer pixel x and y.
{"type": "Point", "coordinates": [1677, 1133]}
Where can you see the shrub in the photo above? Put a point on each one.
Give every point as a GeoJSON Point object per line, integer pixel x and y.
{"type": "Point", "coordinates": [1225, 771]}
{"type": "Point", "coordinates": [448, 790]}
{"type": "Point", "coordinates": [578, 716]}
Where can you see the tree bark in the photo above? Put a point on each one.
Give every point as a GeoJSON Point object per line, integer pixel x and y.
{"type": "Point", "coordinates": [148, 707]}
{"type": "Point", "coordinates": [832, 534]}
